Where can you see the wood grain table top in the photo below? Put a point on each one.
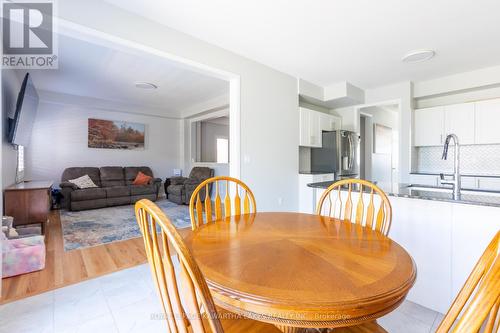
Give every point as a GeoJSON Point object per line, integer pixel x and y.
{"type": "Point", "coordinates": [301, 269]}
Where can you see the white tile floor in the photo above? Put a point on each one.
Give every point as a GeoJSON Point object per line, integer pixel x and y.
{"type": "Point", "coordinates": [125, 302]}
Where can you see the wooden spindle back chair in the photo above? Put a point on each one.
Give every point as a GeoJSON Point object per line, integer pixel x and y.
{"type": "Point", "coordinates": [478, 301]}
{"type": "Point", "coordinates": [203, 210]}
{"type": "Point", "coordinates": [181, 316]}
{"type": "Point", "coordinates": [377, 216]}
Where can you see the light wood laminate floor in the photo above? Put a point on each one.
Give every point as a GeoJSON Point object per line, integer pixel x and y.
{"type": "Point", "coordinates": [66, 268]}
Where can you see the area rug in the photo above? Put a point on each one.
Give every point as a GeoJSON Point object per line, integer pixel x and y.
{"type": "Point", "coordinates": [106, 225]}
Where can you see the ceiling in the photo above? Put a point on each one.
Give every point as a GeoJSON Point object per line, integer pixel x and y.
{"type": "Point", "coordinates": [99, 72]}
{"type": "Point", "coordinates": [325, 41]}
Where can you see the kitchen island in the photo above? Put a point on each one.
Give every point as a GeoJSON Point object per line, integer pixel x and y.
{"type": "Point", "coordinates": [445, 237]}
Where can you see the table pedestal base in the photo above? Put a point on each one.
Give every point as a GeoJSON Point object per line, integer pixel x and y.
{"type": "Point", "coordinates": [288, 329]}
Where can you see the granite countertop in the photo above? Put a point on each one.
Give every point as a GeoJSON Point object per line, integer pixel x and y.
{"type": "Point", "coordinates": [451, 174]}
{"type": "Point", "coordinates": [469, 196]}
{"type": "Point", "coordinates": [315, 172]}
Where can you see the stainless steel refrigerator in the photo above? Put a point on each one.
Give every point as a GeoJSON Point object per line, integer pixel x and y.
{"type": "Point", "coordinates": [339, 154]}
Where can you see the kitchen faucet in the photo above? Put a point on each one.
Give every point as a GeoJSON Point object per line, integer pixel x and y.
{"type": "Point", "coordinates": [456, 166]}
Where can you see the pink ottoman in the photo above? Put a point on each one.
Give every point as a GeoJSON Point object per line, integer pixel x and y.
{"type": "Point", "coordinates": [22, 255]}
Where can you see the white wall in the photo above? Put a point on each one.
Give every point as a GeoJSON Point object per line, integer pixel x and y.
{"type": "Point", "coordinates": [10, 88]}
{"type": "Point", "coordinates": [268, 98]}
{"type": "Point", "coordinates": [59, 140]}
{"type": "Point", "coordinates": [209, 134]}
{"type": "Point", "coordinates": [458, 88]}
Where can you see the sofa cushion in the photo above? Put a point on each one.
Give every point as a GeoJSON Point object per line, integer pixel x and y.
{"type": "Point", "coordinates": [75, 172]}
{"type": "Point", "coordinates": [89, 204]}
{"type": "Point", "coordinates": [83, 182]}
{"type": "Point", "coordinates": [118, 201]}
{"type": "Point", "coordinates": [135, 198]}
{"type": "Point", "coordinates": [175, 189]}
{"type": "Point", "coordinates": [131, 173]}
{"type": "Point", "coordinates": [112, 176]}
{"type": "Point", "coordinates": [88, 194]}
{"type": "Point", "coordinates": [117, 191]}
{"type": "Point", "coordinates": [142, 179]}
{"type": "Point", "coordinates": [142, 189]}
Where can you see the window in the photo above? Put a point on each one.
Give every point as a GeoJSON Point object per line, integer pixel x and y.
{"type": "Point", "coordinates": [222, 150]}
{"type": "Point", "coordinates": [20, 164]}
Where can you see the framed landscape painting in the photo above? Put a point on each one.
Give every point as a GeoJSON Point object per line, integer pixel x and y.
{"type": "Point", "coordinates": [113, 134]}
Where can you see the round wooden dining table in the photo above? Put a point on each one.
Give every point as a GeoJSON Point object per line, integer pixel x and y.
{"type": "Point", "coordinates": [300, 270]}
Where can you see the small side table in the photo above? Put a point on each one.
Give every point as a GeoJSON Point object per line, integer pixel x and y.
{"type": "Point", "coordinates": [29, 202]}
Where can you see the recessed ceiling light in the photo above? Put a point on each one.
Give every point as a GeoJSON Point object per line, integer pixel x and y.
{"type": "Point", "coordinates": [145, 85]}
{"type": "Point", "coordinates": [419, 55]}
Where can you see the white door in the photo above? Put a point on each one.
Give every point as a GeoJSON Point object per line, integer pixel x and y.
{"type": "Point", "coordinates": [487, 120]}
{"type": "Point", "coordinates": [429, 126]}
{"type": "Point", "coordinates": [459, 120]}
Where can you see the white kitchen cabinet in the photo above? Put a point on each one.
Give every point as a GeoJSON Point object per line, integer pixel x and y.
{"type": "Point", "coordinates": [473, 123]}
{"type": "Point", "coordinates": [316, 138]}
{"type": "Point", "coordinates": [329, 122]}
{"type": "Point", "coordinates": [487, 118]}
{"type": "Point", "coordinates": [304, 130]}
{"type": "Point", "coordinates": [429, 126]}
{"type": "Point", "coordinates": [431, 180]}
{"type": "Point", "coordinates": [309, 128]}
{"type": "Point", "coordinates": [459, 120]}
{"type": "Point", "coordinates": [487, 183]}
{"type": "Point", "coordinates": [469, 182]}
{"type": "Point", "coordinates": [312, 123]}
{"type": "Point", "coordinates": [307, 195]}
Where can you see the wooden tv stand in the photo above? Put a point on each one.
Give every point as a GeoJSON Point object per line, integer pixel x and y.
{"type": "Point", "coordinates": [28, 202]}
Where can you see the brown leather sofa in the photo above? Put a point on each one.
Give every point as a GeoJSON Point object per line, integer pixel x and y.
{"type": "Point", "coordinates": [114, 187]}
{"type": "Point", "coordinates": [180, 189]}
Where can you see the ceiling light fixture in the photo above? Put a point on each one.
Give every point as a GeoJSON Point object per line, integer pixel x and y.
{"type": "Point", "coordinates": [145, 85]}
{"type": "Point", "coordinates": [419, 55]}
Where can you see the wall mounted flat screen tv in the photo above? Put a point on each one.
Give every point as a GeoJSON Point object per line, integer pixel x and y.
{"type": "Point", "coordinates": [27, 104]}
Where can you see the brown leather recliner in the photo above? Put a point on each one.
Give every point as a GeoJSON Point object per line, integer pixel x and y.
{"type": "Point", "coordinates": [180, 189]}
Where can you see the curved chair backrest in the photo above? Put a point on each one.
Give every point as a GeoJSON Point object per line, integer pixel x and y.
{"type": "Point", "coordinates": [335, 204]}
{"type": "Point", "coordinates": [478, 302]}
{"type": "Point", "coordinates": [157, 231]}
{"type": "Point", "coordinates": [203, 210]}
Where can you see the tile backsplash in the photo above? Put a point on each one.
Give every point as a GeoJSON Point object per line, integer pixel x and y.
{"type": "Point", "coordinates": [474, 159]}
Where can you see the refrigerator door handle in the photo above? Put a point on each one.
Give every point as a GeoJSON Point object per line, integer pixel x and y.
{"type": "Point", "coordinates": [351, 152]}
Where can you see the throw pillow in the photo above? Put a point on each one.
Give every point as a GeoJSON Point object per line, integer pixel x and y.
{"type": "Point", "coordinates": [142, 179]}
{"type": "Point", "coordinates": [83, 182]}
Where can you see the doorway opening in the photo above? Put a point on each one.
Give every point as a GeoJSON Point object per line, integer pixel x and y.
{"type": "Point", "coordinates": [379, 145]}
